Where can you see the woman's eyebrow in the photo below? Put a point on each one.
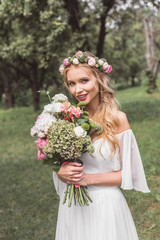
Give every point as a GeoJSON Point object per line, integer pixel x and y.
{"type": "Point", "coordinates": [70, 81]}
{"type": "Point", "coordinates": [85, 77]}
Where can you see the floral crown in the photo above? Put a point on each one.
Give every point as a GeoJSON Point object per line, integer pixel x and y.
{"type": "Point", "coordinates": [82, 57]}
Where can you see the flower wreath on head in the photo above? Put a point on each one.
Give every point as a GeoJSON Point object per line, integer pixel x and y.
{"type": "Point", "coordinates": [83, 57]}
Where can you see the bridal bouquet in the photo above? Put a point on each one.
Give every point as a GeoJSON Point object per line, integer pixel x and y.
{"type": "Point", "coordinates": [63, 132]}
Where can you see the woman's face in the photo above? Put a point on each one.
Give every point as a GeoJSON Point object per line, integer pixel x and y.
{"type": "Point", "coordinates": [83, 85]}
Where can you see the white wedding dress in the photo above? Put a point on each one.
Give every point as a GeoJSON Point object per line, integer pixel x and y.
{"type": "Point", "coordinates": [108, 217]}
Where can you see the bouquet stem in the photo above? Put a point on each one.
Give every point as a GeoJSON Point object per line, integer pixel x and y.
{"type": "Point", "coordinates": [66, 192]}
{"type": "Point", "coordinates": [80, 195]}
{"type": "Point", "coordinates": [86, 193]}
{"type": "Point", "coordinates": [71, 195]}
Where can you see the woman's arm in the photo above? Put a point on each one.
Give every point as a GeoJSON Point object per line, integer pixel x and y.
{"type": "Point", "coordinates": [101, 179]}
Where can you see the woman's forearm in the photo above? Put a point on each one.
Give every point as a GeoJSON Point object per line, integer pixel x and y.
{"type": "Point", "coordinates": [104, 179]}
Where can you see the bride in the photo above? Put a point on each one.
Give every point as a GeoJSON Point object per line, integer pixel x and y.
{"type": "Point", "coordinates": [116, 160]}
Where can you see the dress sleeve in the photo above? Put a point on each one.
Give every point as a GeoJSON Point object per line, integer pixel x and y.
{"type": "Point", "coordinates": [133, 176]}
{"type": "Point", "coordinates": [59, 185]}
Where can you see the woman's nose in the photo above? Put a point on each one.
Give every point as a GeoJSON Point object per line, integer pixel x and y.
{"type": "Point", "coordinates": [79, 88]}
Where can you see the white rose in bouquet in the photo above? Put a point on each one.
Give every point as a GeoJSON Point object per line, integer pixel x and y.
{"type": "Point", "coordinates": [80, 132]}
{"type": "Point", "coordinates": [60, 98]}
{"type": "Point", "coordinates": [57, 107]}
{"type": "Point", "coordinates": [53, 107]}
{"type": "Point", "coordinates": [48, 108]}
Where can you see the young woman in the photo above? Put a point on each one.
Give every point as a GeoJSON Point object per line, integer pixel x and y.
{"type": "Point", "coordinates": [115, 162]}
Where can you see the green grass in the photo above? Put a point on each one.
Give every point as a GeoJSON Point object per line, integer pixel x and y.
{"type": "Point", "coordinates": [29, 204]}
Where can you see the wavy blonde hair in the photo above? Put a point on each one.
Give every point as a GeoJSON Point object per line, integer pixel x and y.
{"type": "Point", "coordinates": [107, 112]}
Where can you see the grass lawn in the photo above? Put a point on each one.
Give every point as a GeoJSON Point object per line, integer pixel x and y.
{"type": "Point", "coordinates": [29, 204]}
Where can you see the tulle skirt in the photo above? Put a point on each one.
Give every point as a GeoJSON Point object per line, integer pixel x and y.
{"type": "Point", "coordinates": [107, 218]}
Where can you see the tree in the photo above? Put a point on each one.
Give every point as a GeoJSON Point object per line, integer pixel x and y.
{"type": "Point", "coordinates": [124, 48]}
{"type": "Point", "coordinates": [81, 19]}
{"type": "Point", "coordinates": [29, 42]}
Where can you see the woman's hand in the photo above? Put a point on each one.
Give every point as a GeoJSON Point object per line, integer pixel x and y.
{"type": "Point", "coordinates": [82, 182]}
{"type": "Point", "coordinates": [71, 171]}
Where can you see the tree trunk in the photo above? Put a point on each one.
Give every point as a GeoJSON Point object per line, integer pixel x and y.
{"type": "Point", "coordinates": [35, 88]}
{"type": "Point", "coordinates": [107, 5]}
{"type": "Point", "coordinates": [35, 99]}
{"type": "Point", "coordinates": [102, 35]}
{"type": "Point", "coordinates": [1, 90]}
{"type": "Point", "coordinates": [148, 29]}
{"type": "Point", "coordinates": [152, 70]}
{"type": "Point", "coordinates": [152, 82]}
{"type": "Point", "coordinates": [7, 89]}
{"type": "Point", "coordinates": [72, 6]}
{"type": "Point", "coordinates": [132, 81]}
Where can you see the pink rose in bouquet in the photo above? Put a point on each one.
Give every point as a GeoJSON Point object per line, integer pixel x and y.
{"type": "Point", "coordinates": [41, 143]}
{"type": "Point", "coordinates": [41, 155]}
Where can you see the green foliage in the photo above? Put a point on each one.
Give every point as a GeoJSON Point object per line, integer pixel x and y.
{"type": "Point", "coordinates": [31, 30]}
{"type": "Point", "coordinates": [125, 47]}
{"type": "Point", "coordinates": [85, 126]}
{"type": "Point", "coordinates": [29, 44]}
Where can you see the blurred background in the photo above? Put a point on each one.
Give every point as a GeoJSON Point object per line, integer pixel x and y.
{"type": "Point", "coordinates": [35, 37]}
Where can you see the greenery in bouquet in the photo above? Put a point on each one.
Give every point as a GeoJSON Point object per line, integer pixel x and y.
{"type": "Point", "coordinates": [63, 132]}
{"type": "Point", "coordinates": [66, 141]}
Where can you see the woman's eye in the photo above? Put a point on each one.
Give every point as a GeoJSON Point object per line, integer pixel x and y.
{"type": "Point", "coordinates": [71, 83]}
{"type": "Point", "coordinates": [85, 80]}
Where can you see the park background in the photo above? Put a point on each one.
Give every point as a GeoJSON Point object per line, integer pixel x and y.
{"type": "Point", "coordinates": [35, 37]}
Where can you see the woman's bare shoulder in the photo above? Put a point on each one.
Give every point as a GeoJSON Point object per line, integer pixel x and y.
{"type": "Point", "coordinates": [123, 122]}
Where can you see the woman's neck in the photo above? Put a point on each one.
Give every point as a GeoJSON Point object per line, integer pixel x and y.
{"type": "Point", "coordinates": [92, 108]}
{"type": "Point", "coordinates": [91, 112]}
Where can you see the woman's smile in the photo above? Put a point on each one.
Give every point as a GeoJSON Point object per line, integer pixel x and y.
{"type": "Point", "coordinates": [82, 97]}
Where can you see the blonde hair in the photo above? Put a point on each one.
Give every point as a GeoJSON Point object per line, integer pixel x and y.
{"type": "Point", "coordinates": [107, 112]}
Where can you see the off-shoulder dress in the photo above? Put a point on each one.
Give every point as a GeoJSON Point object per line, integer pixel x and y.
{"type": "Point", "coordinates": [108, 217]}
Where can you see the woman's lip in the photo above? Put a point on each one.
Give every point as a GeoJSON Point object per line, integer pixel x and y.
{"type": "Point", "coordinates": [82, 97]}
